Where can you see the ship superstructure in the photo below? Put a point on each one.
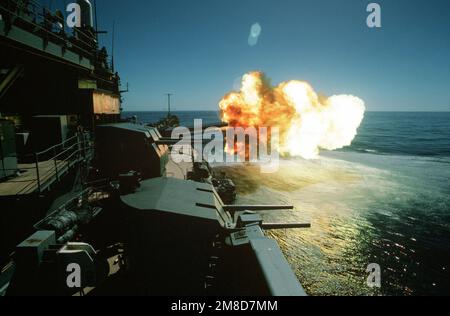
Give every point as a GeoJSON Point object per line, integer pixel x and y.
{"type": "Point", "coordinates": [56, 85]}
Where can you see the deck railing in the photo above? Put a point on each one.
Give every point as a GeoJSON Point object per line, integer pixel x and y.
{"type": "Point", "coordinates": [50, 164]}
{"type": "Point", "coordinates": [41, 19]}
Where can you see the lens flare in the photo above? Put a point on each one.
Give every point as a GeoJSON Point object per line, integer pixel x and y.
{"type": "Point", "coordinates": [307, 122]}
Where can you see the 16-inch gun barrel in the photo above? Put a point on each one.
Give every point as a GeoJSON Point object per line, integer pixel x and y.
{"type": "Point", "coordinates": [257, 208]}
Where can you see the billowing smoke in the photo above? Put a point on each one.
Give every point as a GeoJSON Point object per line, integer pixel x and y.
{"type": "Point", "coordinates": [307, 122]}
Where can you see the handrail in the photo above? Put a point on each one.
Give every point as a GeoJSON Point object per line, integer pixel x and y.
{"type": "Point", "coordinates": [66, 150]}
{"type": "Point", "coordinates": [39, 177]}
{"type": "Point", "coordinates": [46, 151]}
{"type": "Point", "coordinates": [56, 146]}
{"type": "Point", "coordinates": [55, 34]}
{"type": "Point", "coordinates": [80, 147]}
{"type": "Point", "coordinates": [35, 17]}
{"type": "Point", "coordinates": [37, 7]}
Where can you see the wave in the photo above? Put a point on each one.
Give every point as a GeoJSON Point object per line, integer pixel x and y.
{"type": "Point", "coordinates": [364, 208]}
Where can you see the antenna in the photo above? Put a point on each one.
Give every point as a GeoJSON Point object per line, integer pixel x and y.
{"type": "Point", "coordinates": [113, 43]}
{"type": "Point", "coordinates": [95, 19]}
{"type": "Point", "coordinates": [169, 96]}
{"type": "Point", "coordinates": [126, 90]}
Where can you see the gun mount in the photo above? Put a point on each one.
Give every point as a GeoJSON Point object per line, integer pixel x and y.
{"type": "Point", "coordinates": [196, 228]}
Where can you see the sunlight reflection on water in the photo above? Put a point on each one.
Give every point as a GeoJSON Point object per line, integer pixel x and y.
{"type": "Point", "coordinates": [378, 211]}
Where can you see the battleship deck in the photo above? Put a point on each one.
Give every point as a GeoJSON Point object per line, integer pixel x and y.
{"type": "Point", "coordinates": [50, 171]}
{"type": "Point", "coordinates": [38, 176]}
{"type": "Point", "coordinates": [27, 182]}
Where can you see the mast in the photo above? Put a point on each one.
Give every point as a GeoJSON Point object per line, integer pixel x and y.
{"type": "Point", "coordinates": [95, 19]}
{"type": "Point", "coordinates": [113, 44]}
{"type": "Point", "coordinates": [169, 96]}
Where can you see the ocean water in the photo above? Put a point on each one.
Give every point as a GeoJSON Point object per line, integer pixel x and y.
{"type": "Point", "coordinates": [383, 200]}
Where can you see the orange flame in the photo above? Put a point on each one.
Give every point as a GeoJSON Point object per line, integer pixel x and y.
{"type": "Point", "coordinates": [307, 122]}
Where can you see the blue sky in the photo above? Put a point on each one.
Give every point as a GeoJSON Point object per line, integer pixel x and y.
{"type": "Point", "coordinates": [197, 49]}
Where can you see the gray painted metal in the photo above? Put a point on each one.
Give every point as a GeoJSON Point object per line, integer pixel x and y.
{"type": "Point", "coordinates": [32, 249]}
{"type": "Point", "coordinates": [21, 36]}
{"type": "Point", "coordinates": [199, 200]}
{"type": "Point", "coordinates": [255, 208]}
{"type": "Point", "coordinates": [8, 155]}
{"type": "Point", "coordinates": [278, 274]}
{"type": "Point", "coordinates": [176, 196]}
{"type": "Point", "coordinates": [285, 225]}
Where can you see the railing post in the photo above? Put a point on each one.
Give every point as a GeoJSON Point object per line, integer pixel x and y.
{"type": "Point", "coordinates": [36, 157]}
{"type": "Point", "coordinates": [84, 147]}
{"type": "Point", "coordinates": [80, 146]}
{"type": "Point", "coordinates": [55, 160]}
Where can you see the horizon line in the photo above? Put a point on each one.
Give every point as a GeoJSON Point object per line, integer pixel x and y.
{"type": "Point", "coordinates": [368, 111]}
